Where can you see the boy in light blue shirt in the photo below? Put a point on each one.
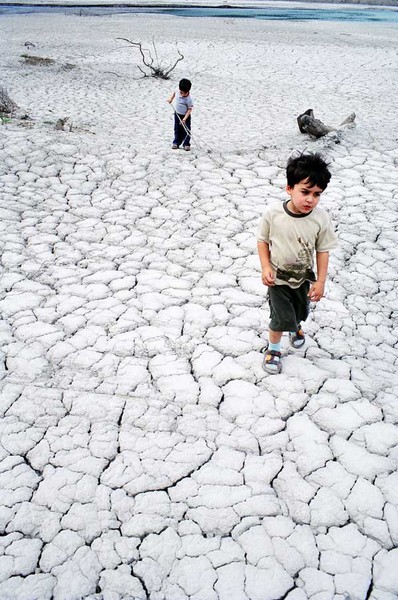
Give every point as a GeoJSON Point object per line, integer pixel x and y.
{"type": "Point", "coordinates": [182, 115]}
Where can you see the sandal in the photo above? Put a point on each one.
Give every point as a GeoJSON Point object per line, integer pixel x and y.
{"type": "Point", "coordinates": [272, 361]}
{"type": "Point", "coordinates": [297, 339]}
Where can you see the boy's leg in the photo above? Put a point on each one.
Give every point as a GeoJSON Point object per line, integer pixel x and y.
{"type": "Point", "coordinates": [272, 358]}
{"type": "Point", "coordinates": [282, 306]}
{"type": "Point", "coordinates": [187, 138]}
{"type": "Point", "coordinates": [301, 305]}
{"type": "Point", "coordinates": [301, 302]}
{"type": "Point", "coordinates": [180, 135]}
{"type": "Point", "coordinates": [177, 127]}
{"type": "Point", "coordinates": [274, 336]}
{"type": "Point", "coordinates": [283, 318]}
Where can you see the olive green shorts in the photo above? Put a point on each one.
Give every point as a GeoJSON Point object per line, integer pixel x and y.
{"type": "Point", "coordinates": [288, 306]}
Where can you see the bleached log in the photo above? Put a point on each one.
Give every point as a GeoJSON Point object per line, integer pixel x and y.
{"type": "Point", "coordinates": [309, 124]}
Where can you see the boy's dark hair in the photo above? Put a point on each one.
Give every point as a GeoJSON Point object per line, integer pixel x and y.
{"type": "Point", "coordinates": [309, 167]}
{"type": "Point", "coordinates": [184, 85]}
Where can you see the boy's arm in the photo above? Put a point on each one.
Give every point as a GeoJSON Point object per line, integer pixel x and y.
{"type": "Point", "coordinates": [317, 289]}
{"type": "Point", "coordinates": [187, 115]}
{"type": "Point", "coordinates": [171, 98]}
{"type": "Point", "coordinates": [267, 273]}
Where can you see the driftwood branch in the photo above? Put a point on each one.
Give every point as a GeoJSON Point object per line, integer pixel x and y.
{"type": "Point", "coordinates": [181, 57]}
{"type": "Point", "coordinates": [156, 69]}
{"type": "Point", "coordinates": [309, 124]}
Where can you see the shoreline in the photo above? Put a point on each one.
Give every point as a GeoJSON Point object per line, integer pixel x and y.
{"type": "Point", "coordinates": [204, 4]}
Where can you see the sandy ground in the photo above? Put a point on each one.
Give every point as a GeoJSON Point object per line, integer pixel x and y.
{"type": "Point", "coordinates": [144, 452]}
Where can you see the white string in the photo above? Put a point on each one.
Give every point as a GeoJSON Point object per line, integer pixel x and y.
{"type": "Point", "coordinates": [187, 131]}
{"type": "Point", "coordinates": [199, 143]}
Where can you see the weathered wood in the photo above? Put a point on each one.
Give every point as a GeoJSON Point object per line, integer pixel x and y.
{"type": "Point", "coordinates": [7, 106]}
{"type": "Point", "coordinates": [60, 124]}
{"type": "Point", "coordinates": [349, 120]}
{"type": "Point", "coordinates": [309, 124]}
{"type": "Point", "coordinates": [156, 70]}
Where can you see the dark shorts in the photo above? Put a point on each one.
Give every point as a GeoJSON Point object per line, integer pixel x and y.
{"type": "Point", "coordinates": [288, 306]}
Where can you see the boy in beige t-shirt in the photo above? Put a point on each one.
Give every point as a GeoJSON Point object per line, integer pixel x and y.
{"type": "Point", "coordinates": [289, 235]}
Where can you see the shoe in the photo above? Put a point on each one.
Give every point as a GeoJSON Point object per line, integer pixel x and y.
{"type": "Point", "coordinates": [187, 148]}
{"type": "Point", "coordinates": [297, 339]}
{"type": "Point", "coordinates": [175, 147]}
{"type": "Point", "coordinates": [272, 361]}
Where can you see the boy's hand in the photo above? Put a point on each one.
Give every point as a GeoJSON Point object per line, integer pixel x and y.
{"type": "Point", "coordinates": [317, 291]}
{"type": "Point", "coordinates": [267, 276]}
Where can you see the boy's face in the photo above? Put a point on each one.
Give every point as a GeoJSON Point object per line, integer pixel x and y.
{"type": "Point", "coordinates": [303, 197]}
{"type": "Point", "coordinates": [184, 94]}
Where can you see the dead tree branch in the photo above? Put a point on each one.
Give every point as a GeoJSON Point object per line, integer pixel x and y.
{"type": "Point", "coordinates": [156, 69]}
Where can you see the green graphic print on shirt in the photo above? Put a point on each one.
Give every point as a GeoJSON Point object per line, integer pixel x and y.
{"type": "Point", "coordinates": [300, 270]}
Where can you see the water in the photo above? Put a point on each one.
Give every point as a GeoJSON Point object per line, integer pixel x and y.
{"type": "Point", "coordinates": [297, 14]}
{"type": "Point", "coordinates": [304, 13]}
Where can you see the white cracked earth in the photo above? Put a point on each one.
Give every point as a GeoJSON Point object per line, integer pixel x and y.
{"type": "Point", "coordinates": [144, 452]}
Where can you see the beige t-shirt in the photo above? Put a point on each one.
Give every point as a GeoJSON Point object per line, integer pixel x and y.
{"type": "Point", "coordinates": [293, 240]}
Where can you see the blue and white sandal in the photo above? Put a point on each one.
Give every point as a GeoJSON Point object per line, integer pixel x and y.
{"type": "Point", "coordinates": [297, 339]}
{"type": "Point", "coordinates": [272, 361]}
